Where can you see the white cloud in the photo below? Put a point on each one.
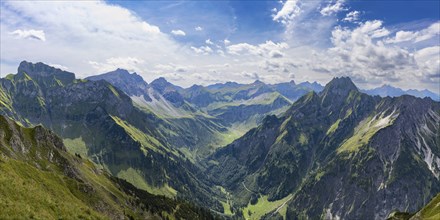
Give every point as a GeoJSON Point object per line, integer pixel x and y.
{"type": "Point", "coordinates": [267, 49]}
{"type": "Point", "coordinates": [209, 42]}
{"type": "Point", "coordinates": [178, 33]}
{"type": "Point", "coordinates": [59, 66]}
{"type": "Point", "coordinates": [428, 60]}
{"type": "Point", "coordinates": [198, 28]}
{"type": "Point", "coordinates": [276, 54]}
{"type": "Point", "coordinates": [242, 48]}
{"type": "Point", "coordinates": [202, 50]}
{"type": "Point", "coordinates": [372, 29]}
{"type": "Point", "coordinates": [352, 16]}
{"type": "Point", "coordinates": [416, 36]}
{"type": "Point", "coordinates": [226, 42]}
{"type": "Point", "coordinates": [29, 34]}
{"type": "Point", "coordinates": [333, 8]}
{"type": "Point", "coordinates": [132, 64]}
{"type": "Point", "coordinates": [402, 36]}
{"type": "Point", "coordinates": [289, 11]}
{"type": "Point", "coordinates": [252, 76]}
{"type": "Point", "coordinates": [303, 23]}
{"type": "Point", "coordinates": [362, 54]}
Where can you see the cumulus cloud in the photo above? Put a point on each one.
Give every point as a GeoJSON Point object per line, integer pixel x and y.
{"type": "Point", "coordinates": [271, 66]}
{"type": "Point", "coordinates": [289, 11]}
{"type": "Point", "coordinates": [416, 36]}
{"type": "Point", "coordinates": [198, 28]}
{"type": "Point", "coordinates": [352, 16]}
{"type": "Point", "coordinates": [29, 34]}
{"type": "Point", "coordinates": [331, 9]}
{"type": "Point", "coordinates": [204, 78]}
{"type": "Point", "coordinates": [275, 54]}
{"type": "Point", "coordinates": [209, 42]}
{"type": "Point", "coordinates": [362, 54]}
{"type": "Point", "coordinates": [428, 60]}
{"type": "Point", "coordinates": [129, 63]}
{"type": "Point", "coordinates": [253, 75]}
{"type": "Point", "coordinates": [174, 77]}
{"type": "Point", "coordinates": [202, 50]}
{"type": "Point", "coordinates": [59, 66]}
{"type": "Point", "coordinates": [178, 33]}
{"type": "Point", "coordinates": [303, 22]}
{"type": "Point", "coordinates": [267, 49]}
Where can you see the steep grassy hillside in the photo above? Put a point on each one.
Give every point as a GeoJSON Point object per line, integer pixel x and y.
{"type": "Point", "coordinates": [39, 179]}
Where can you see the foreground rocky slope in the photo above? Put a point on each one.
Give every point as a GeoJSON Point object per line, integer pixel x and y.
{"type": "Point", "coordinates": [336, 154]}
{"type": "Point", "coordinates": [39, 179]}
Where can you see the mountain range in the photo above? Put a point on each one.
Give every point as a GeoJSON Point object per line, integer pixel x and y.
{"type": "Point", "coordinates": [228, 150]}
{"type": "Point", "coordinates": [387, 90]}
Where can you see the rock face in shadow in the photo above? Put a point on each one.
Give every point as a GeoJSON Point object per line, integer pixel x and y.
{"type": "Point", "coordinates": [338, 154]}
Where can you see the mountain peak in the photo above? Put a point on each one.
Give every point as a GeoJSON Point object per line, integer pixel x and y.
{"type": "Point", "coordinates": [122, 71]}
{"type": "Point", "coordinates": [337, 90]}
{"type": "Point", "coordinates": [195, 87]}
{"type": "Point", "coordinates": [160, 82]}
{"type": "Point", "coordinates": [386, 86]}
{"type": "Point", "coordinates": [42, 71]}
{"type": "Point", "coordinates": [132, 84]}
{"type": "Point", "coordinates": [119, 75]}
{"type": "Point", "coordinates": [340, 86]}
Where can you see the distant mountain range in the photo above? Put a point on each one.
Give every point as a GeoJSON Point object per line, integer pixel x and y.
{"type": "Point", "coordinates": [121, 78]}
{"type": "Point", "coordinates": [387, 90]}
{"type": "Point", "coordinates": [228, 150]}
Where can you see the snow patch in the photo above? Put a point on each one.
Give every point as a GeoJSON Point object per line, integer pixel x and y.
{"type": "Point", "coordinates": [384, 121]}
{"type": "Point", "coordinates": [328, 214]}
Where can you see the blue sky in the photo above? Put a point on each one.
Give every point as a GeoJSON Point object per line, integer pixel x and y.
{"type": "Point", "coordinates": [204, 42]}
{"type": "Point", "coordinates": [248, 21]}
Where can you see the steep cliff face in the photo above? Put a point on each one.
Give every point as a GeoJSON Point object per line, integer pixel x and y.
{"type": "Point", "coordinates": [330, 146]}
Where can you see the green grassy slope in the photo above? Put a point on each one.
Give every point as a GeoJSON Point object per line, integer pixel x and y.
{"type": "Point", "coordinates": [430, 211]}
{"type": "Point", "coordinates": [39, 179]}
